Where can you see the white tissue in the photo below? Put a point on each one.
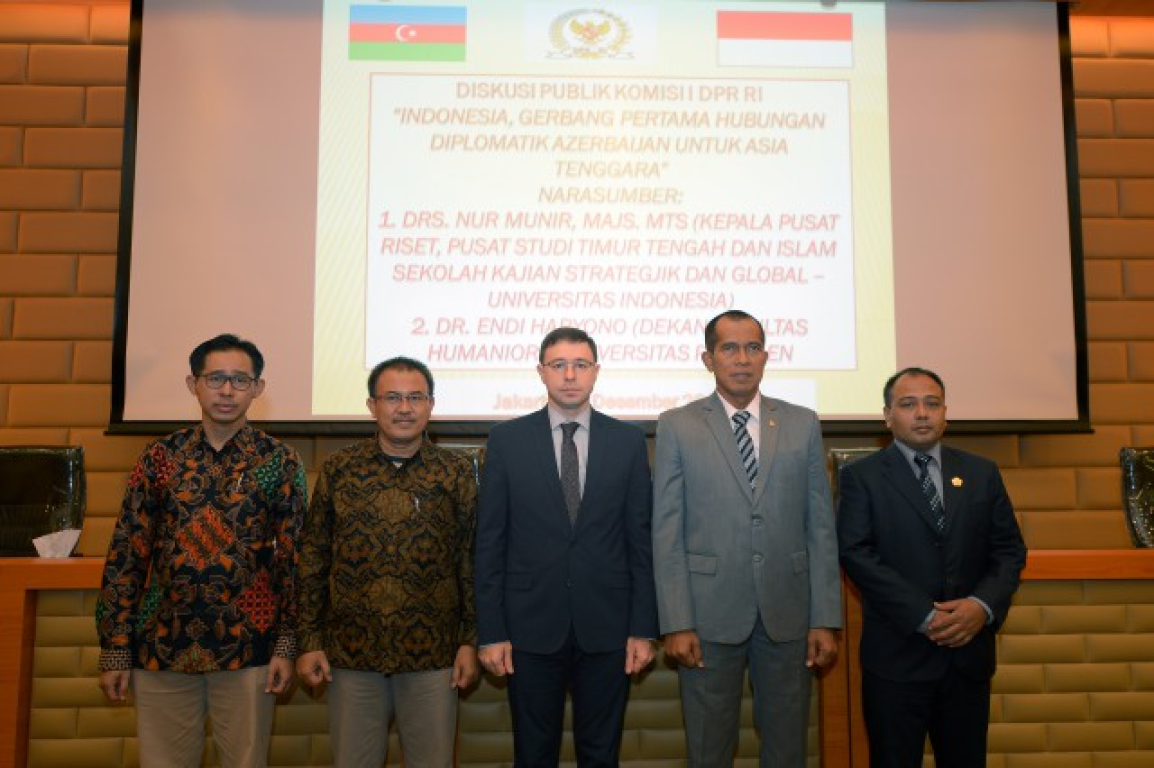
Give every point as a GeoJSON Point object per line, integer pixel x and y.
{"type": "Point", "coordinates": [59, 544]}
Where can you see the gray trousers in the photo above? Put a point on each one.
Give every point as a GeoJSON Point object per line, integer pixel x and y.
{"type": "Point", "coordinates": [363, 704]}
{"type": "Point", "coordinates": [711, 701]}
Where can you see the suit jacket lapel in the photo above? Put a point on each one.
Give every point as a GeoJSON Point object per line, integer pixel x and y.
{"type": "Point", "coordinates": [902, 477]}
{"type": "Point", "coordinates": [767, 446]}
{"type": "Point", "coordinates": [599, 447]}
{"type": "Point", "coordinates": [954, 491]}
{"type": "Point", "coordinates": [546, 461]}
{"type": "Point", "coordinates": [722, 429]}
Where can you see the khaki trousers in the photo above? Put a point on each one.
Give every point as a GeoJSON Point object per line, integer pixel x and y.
{"type": "Point", "coordinates": [171, 709]}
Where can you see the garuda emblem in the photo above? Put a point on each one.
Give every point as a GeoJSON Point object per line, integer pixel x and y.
{"type": "Point", "coordinates": [589, 34]}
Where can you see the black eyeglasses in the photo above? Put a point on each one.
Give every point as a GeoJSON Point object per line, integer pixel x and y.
{"type": "Point", "coordinates": [240, 381]}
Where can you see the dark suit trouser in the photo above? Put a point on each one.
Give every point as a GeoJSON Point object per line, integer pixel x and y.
{"type": "Point", "coordinates": [953, 711]}
{"type": "Point", "coordinates": [711, 701]}
{"type": "Point", "coordinates": [537, 690]}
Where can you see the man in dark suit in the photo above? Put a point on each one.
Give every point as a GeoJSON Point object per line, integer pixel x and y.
{"type": "Point", "coordinates": [745, 554]}
{"type": "Point", "coordinates": [563, 562]}
{"type": "Point", "coordinates": [928, 534]}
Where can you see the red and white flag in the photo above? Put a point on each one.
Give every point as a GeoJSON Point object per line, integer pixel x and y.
{"type": "Point", "coordinates": [786, 39]}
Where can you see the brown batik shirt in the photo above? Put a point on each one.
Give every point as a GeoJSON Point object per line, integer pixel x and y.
{"type": "Point", "coordinates": [386, 571]}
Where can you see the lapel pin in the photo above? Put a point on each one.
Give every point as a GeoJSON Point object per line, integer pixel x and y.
{"type": "Point", "coordinates": [956, 482]}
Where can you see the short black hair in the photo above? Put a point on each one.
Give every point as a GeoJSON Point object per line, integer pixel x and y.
{"type": "Point", "coordinates": [566, 333]}
{"type": "Point", "coordinates": [399, 364]}
{"type": "Point", "coordinates": [729, 314]}
{"type": "Point", "coordinates": [225, 342]}
{"type": "Point", "coordinates": [888, 390]}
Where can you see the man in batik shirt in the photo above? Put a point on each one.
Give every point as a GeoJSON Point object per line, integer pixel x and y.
{"type": "Point", "coordinates": [196, 613]}
{"type": "Point", "coordinates": [386, 581]}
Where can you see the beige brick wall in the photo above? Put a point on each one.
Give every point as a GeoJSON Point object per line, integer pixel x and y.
{"type": "Point", "coordinates": [61, 103]}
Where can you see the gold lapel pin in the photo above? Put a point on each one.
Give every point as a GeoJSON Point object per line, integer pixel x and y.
{"type": "Point", "coordinates": [956, 482]}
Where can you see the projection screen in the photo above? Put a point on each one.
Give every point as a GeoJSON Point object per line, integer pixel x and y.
{"type": "Point", "coordinates": [881, 184]}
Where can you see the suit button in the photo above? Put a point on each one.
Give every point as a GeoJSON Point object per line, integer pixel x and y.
{"type": "Point", "coordinates": [568, 584]}
{"type": "Point", "coordinates": [756, 521]}
{"type": "Point", "coordinates": [757, 558]}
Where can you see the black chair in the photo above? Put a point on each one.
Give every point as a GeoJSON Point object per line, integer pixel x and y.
{"type": "Point", "coordinates": [839, 457]}
{"type": "Point", "coordinates": [42, 491]}
{"type": "Point", "coordinates": [1138, 493]}
{"type": "Point", "coordinates": [474, 453]}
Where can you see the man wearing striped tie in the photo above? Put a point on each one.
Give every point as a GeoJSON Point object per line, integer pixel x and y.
{"type": "Point", "coordinates": [928, 535]}
{"type": "Point", "coordinates": [744, 553]}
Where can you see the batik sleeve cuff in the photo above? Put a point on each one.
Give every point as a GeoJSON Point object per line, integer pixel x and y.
{"type": "Point", "coordinates": [286, 647]}
{"type": "Point", "coordinates": [115, 660]}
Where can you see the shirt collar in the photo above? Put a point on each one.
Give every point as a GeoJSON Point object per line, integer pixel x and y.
{"type": "Point", "coordinates": [556, 418]}
{"type": "Point", "coordinates": [242, 439]}
{"type": "Point", "coordinates": [908, 452]}
{"type": "Point", "coordinates": [754, 408]}
{"type": "Point", "coordinates": [375, 447]}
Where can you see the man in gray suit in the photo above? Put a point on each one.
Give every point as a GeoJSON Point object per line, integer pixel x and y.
{"type": "Point", "coordinates": [744, 553]}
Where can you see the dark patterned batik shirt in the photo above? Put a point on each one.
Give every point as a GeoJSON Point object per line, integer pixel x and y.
{"type": "Point", "coordinates": [386, 572]}
{"type": "Point", "coordinates": [200, 570]}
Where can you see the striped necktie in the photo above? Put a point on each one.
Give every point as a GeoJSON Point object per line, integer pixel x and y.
{"type": "Point", "coordinates": [745, 446]}
{"type": "Point", "coordinates": [930, 490]}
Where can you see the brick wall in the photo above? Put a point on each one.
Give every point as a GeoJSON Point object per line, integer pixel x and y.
{"type": "Point", "coordinates": [61, 104]}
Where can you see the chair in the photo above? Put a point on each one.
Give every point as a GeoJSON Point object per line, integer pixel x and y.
{"type": "Point", "coordinates": [1138, 493]}
{"type": "Point", "coordinates": [839, 457]}
{"type": "Point", "coordinates": [474, 453]}
{"type": "Point", "coordinates": [42, 490]}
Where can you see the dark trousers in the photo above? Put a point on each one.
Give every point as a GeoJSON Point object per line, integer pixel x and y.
{"type": "Point", "coordinates": [954, 712]}
{"type": "Point", "coordinates": [537, 690]}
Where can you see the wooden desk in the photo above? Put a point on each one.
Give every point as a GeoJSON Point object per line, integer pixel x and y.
{"type": "Point", "coordinates": [1074, 564]}
{"type": "Point", "coordinates": [21, 578]}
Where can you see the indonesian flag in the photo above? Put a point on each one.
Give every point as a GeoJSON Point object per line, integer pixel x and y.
{"type": "Point", "coordinates": [787, 39]}
{"type": "Point", "coordinates": [407, 33]}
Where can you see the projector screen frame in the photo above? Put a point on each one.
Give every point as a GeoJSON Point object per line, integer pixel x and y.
{"type": "Point", "coordinates": [473, 428]}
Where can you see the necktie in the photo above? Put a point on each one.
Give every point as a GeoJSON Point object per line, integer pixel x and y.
{"type": "Point", "coordinates": [930, 490]}
{"type": "Point", "coordinates": [745, 446]}
{"type": "Point", "coordinates": [570, 470]}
